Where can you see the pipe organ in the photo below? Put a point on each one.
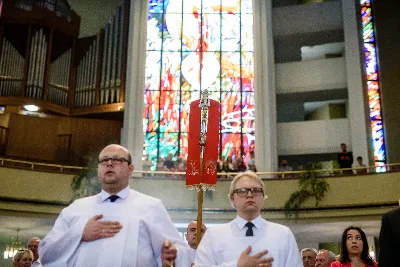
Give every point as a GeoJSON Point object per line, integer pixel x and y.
{"type": "Point", "coordinates": [11, 70]}
{"type": "Point", "coordinates": [85, 91]}
{"type": "Point", "coordinates": [48, 62]}
{"type": "Point", "coordinates": [37, 64]}
{"type": "Point", "coordinates": [103, 61]}
{"type": "Point", "coordinates": [59, 78]}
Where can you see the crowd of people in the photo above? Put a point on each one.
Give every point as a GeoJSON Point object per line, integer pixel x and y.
{"type": "Point", "coordinates": [123, 227]}
{"type": "Point", "coordinates": [225, 165]}
{"type": "Point", "coordinates": [354, 252]}
{"type": "Point", "coordinates": [236, 163]}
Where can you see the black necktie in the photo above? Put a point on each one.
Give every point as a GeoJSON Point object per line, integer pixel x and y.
{"type": "Point", "coordinates": [113, 198]}
{"type": "Point", "coordinates": [250, 226]}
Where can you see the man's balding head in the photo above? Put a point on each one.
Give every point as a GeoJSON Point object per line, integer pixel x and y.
{"type": "Point", "coordinates": [191, 233]}
{"type": "Point", "coordinates": [325, 258]}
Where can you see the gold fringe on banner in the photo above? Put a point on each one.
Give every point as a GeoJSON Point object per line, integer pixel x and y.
{"type": "Point", "coordinates": [202, 187]}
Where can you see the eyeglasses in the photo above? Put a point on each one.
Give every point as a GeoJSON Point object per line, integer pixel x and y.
{"type": "Point", "coordinates": [114, 160]}
{"type": "Point", "coordinates": [255, 191]}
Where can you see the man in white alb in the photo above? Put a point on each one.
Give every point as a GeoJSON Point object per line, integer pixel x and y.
{"type": "Point", "coordinates": [248, 240]}
{"type": "Point", "coordinates": [117, 227]}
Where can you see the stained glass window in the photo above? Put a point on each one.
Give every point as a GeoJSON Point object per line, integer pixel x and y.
{"type": "Point", "coordinates": [373, 85]}
{"type": "Point", "coordinates": [193, 45]}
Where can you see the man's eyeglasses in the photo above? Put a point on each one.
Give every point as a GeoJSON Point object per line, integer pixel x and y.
{"type": "Point", "coordinates": [114, 160]}
{"type": "Point", "coordinates": [255, 191]}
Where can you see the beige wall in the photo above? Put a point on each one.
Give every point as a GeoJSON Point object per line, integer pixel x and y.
{"type": "Point", "coordinates": [328, 112]}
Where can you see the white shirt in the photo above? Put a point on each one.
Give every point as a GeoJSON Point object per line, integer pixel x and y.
{"type": "Point", "coordinates": [37, 263]}
{"type": "Point", "coordinates": [145, 222]}
{"type": "Point", "coordinates": [222, 245]}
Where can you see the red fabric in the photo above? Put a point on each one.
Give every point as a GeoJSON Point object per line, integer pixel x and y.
{"type": "Point", "coordinates": [210, 155]}
{"type": "Point", "coordinates": [348, 264]}
{"type": "Point", "coordinates": [210, 160]}
{"type": "Point", "coordinates": [193, 160]}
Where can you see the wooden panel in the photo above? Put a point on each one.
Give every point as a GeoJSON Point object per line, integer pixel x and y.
{"type": "Point", "coordinates": [4, 119]}
{"type": "Point", "coordinates": [90, 136]}
{"type": "Point", "coordinates": [32, 137]}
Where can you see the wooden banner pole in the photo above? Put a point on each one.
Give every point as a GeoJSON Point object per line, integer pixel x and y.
{"type": "Point", "coordinates": [199, 207]}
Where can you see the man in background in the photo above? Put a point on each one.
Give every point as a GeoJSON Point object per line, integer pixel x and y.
{"type": "Point", "coordinates": [33, 245]}
{"type": "Point", "coordinates": [190, 235]}
{"type": "Point", "coordinates": [345, 159]}
{"type": "Point", "coordinates": [325, 258]}
{"type": "Point", "coordinates": [308, 255]}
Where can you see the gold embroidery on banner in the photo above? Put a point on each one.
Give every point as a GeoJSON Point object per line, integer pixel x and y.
{"type": "Point", "coordinates": [211, 167]}
{"type": "Point", "coordinates": [192, 169]}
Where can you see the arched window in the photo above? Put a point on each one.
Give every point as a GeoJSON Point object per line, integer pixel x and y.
{"type": "Point", "coordinates": [193, 45]}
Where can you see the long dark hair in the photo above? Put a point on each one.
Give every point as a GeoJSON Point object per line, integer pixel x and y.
{"type": "Point", "coordinates": [344, 253]}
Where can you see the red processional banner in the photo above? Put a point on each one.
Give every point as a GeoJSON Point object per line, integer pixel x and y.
{"type": "Point", "coordinates": [207, 177]}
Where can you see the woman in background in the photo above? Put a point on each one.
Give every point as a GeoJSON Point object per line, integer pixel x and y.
{"type": "Point", "coordinates": [354, 250]}
{"type": "Point", "coordinates": [23, 258]}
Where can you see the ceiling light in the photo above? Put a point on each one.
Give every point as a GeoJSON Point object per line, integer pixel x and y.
{"type": "Point", "coordinates": [31, 107]}
{"type": "Point", "coordinates": [13, 247]}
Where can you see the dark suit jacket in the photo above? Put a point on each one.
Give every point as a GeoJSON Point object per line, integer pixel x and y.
{"type": "Point", "coordinates": [389, 239]}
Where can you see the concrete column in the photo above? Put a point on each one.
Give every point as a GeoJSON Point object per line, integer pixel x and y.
{"type": "Point", "coordinates": [361, 135]}
{"type": "Point", "coordinates": [264, 86]}
{"type": "Point", "coordinates": [132, 133]}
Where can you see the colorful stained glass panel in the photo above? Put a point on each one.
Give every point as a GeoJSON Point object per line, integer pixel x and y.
{"type": "Point", "coordinates": [231, 143]}
{"type": "Point", "coordinates": [374, 98]}
{"type": "Point", "coordinates": [154, 32]}
{"type": "Point", "coordinates": [370, 61]}
{"type": "Point", "coordinates": [152, 72]}
{"type": "Point", "coordinates": [365, 2]}
{"type": "Point", "coordinates": [230, 33]}
{"type": "Point", "coordinates": [378, 137]}
{"type": "Point", "coordinates": [247, 6]}
{"type": "Point", "coordinates": [247, 39]}
{"type": "Point", "coordinates": [203, 45]}
{"type": "Point", "coordinates": [151, 145]}
{"type": "Point", "coordinates": [230, 72]}
{"type": "Point", "coordinates": [183, 148]}
{"type": "Point", "coordinates": [170, 75]}
{"type": "Point", "coordinates": [248, 143]}
{"type": "Point", "coordinates": [230, 112]}
{"type": "Point", "coordinates": [368, 33]}
{"type": "Point", "coordinates": [168, 143]}
{"type": "Point", "coordinates": [248, 115]}
{"type": "Point", "coordinates": [174, 6]}
{"type": "Point", "coordinates": [157, 6]}
{"type": "Point", "coordinates": [230, 6]}
{"type": "Point", "coordinates": [210, 32]}
{"type": "Point", "coordinates": [366, 16]}
{"type": "Point", "coordinates": [151, 108]}
{"type": "Point", "coordinates": [380, 167]}
{"type": "Point", "coordinates": [169, 111]}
